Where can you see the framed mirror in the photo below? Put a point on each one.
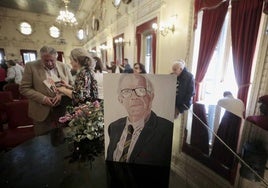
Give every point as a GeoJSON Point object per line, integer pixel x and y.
{"type": "Point", "coordinates": [212, 136]}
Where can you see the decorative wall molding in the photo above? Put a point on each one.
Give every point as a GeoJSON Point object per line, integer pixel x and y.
{"type": "Point", "coordinates": [148, 7]}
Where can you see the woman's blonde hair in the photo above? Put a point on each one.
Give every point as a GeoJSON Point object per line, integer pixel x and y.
{"type": "Point", "coordinates": [82, 57]}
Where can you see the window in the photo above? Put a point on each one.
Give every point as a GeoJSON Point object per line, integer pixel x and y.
{"type": "Point", "coordinates": [80, 34]}
{"type": "Point", "coordinates": [28, 55]}
{"type": "Point", "coordinates": [103, 49]}
{"type": "Point", "coordinates": [148, 53]}
{"type": "Point", "coordinates": [118, 43]}
{"type": "Point", "coordinates": [25, 28]}
{"type": "Point", "coordinates": [146, 45]}
{"type": "Point", "coordinates": [54, 32]}
{"type": "Point", "coordinates": [220, 75]}
{"type": "Point", "coordinates": [2, 55]}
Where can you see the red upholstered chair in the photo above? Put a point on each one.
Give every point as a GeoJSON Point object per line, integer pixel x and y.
{"type": "Point", "coordinates": [262, 119]}
{"type": "Point", "coordinates": [199, 133]}
{"type": "Point", "coordinates": [5, 97]}
{"type": "Point", "coordinates": [20, 126]}
{"type": "Point", "coordinates": [14, 88]}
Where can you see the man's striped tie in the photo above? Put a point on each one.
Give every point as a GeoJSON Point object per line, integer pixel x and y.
{"type": "Point", "coordinates": [127, 143]}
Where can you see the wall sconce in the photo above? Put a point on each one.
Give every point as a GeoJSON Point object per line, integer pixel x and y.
{"type": "Point", "coordinates": [120, 41]}
{"type": "Point", "coordinates": [103, 47]}
{"type": "Point", "coordinates": [92, 51]}
{"type": "Point", "coordinates": [164, 28]}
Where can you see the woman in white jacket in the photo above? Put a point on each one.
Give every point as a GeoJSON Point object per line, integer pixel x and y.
{"type": "Point", "coordinates": [14, 72]}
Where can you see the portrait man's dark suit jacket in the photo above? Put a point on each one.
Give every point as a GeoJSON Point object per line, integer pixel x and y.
{"type": "Point", "coordinates": [153, 146]}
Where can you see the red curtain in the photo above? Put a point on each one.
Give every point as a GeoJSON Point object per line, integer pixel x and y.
{"type": "Point", "coordinates": [213, 20]}
{"type": "Point", "coordinates": [245, 20]}
{"type": "Point", "coordinates": [204, 4]}
{"type": "Point", "coordinates": [147, 26]}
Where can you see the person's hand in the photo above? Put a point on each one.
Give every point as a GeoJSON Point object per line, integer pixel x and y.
{"type": "Point", "coordinates": [56, 100]}
{"type": "Point", "coordinates": [52, 101]}
{"type": "Point", "coordinates": [48, 101]}
{"type": "Point", "coordinates": [64, 83]}
{"type": "Point", "coordinates": [61, 89]}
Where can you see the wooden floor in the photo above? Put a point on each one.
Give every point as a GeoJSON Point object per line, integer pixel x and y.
{"type": "Point", "coordinates": [176, 181]}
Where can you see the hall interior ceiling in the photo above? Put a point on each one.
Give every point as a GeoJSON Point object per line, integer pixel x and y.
{"type": "Point", "coordinates": [50, 7]}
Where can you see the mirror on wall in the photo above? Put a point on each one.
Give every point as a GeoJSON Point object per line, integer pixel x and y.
{"type": "Point", "coordinates": [103, 54]}
{"type": "Point", "coordinates": [219, 150]}
{"type": "Point", "coordinates": [119, 49]}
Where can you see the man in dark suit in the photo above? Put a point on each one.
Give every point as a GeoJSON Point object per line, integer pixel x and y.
{"type": "Point", "coordinates": [151, 135]}
{"type": "Point", "coordinates": [185, 86]}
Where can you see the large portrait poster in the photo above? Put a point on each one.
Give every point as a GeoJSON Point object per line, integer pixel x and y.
{"type": "Point", "coordinates": [138, 116]}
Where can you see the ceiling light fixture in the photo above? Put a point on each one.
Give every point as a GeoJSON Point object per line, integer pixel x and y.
{"type": "Point", "coordinates": [66, 17]}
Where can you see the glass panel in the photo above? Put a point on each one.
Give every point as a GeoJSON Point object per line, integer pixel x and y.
{"type": "Point", "coordinates": [28, 55]}
{"type": "Point", "coordinates": [212, 135]}
{"type": "Point", "coordinates": [148, 54]}
{"type": "Point", "coordinates": [119, 52]}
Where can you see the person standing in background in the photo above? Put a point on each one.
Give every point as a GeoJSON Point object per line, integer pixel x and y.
{"type": "Point", "coordinates": [14, 72]}
{"type": "Point", "coordinates": [126, 68]}
{"type": "Point", "coordinates": [185, 87]}
{"type": "Point", "coordinates": [227, 127]}
{"type": "Point", "coordinates": [99, 76]}
{"type": "Point", "coordinates": [111, 68]}
{"type": "Point", "coordinates": [45, 104]}
{"type": "Point", "coordinates": [139, 68]}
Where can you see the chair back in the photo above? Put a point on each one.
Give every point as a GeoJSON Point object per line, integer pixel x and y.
{"type": "Point", "coordinates": [199, 133]}
{"type": "Point", "coordinates": [14, 89]}
{"type": "Point", "coordinates": [17, 114]}
{"type": "Point", "coordinates": [5, 97]}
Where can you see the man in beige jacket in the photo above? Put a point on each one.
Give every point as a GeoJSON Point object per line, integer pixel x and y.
{"type": "Point", "coordinates": [38, 86]}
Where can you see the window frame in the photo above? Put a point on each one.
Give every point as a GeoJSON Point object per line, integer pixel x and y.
{"type": "Point", "coordinates": [23, 51]}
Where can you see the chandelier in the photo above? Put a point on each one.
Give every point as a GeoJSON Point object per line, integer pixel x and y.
{"type": "Point", "coordinates": [66, 17]}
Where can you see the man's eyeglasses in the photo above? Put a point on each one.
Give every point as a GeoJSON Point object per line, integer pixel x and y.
{"type": "Point", "coordinates": [136, 67]}
{"type": "Point", "coordinates": [140, 92]}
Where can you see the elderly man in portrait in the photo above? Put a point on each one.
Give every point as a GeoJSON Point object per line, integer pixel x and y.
{"type": "Point", "coordinates": [142, 137]}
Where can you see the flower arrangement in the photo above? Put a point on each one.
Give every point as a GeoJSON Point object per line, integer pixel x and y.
{"type": "Point", "coordinates": [84, 126]}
